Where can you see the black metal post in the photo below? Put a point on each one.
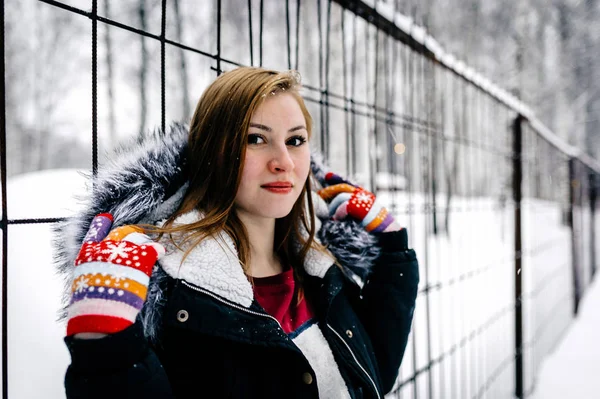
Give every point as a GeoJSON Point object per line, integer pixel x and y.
{"type": "Point", "coordinates": [94, 17]}
{"type": "Point", "coordinates": [574, 201]}
{"type": "Point", "coordinates": [518, 195]}
{"type": "Point", "coordinates": [593, 191]}
{"type": "Point", "coordinates": [163, 28]}
{"type": "Point", "coordinates": [4, 217]}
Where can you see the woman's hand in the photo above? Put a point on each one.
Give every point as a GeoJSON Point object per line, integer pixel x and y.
{"type": "Point", "coordinates": [111, 278]}
{"type": "Point", "coordinates": [346, 199]}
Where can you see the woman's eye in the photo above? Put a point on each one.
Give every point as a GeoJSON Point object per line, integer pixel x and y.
{"type": "Point", "coordinates": [297, 141]}
{"type": "Point", "coordinates": [255, 139]}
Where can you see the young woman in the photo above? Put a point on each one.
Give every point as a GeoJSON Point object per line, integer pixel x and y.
{"type": "Point", "coordinates": [248, 288]}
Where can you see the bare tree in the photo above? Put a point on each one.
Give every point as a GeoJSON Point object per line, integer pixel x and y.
{"type": "Point", "coordinates": [143, 67]}
{"type": "Point", "coordinates": [38, 80]}
{"type": "Point", "coordinates": [590, 56]}
{"type": "Point", "coordinates": [112, 125]}
{"type": "Point", "coordinates": [182, 67]}
{"type": "Point", "coordinates": [451, 162]}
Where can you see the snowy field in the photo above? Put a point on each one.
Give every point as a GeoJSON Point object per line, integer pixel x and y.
{"type": "Point", "coordinates": [37, 356]}
{"type": "Point", "coordinates": [470, 328]}
{"type": "Point", "coordinates": [573, 368]}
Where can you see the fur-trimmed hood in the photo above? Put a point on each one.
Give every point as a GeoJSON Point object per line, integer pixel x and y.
{"type": "Point", "coordinates": [144, 182]}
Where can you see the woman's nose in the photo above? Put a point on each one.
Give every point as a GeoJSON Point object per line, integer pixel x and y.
{"type": "Point", "coordinates": [281, 161]}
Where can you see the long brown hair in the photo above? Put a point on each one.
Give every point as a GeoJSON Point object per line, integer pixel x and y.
{"type": "Point", "coordinates": [215, 158]}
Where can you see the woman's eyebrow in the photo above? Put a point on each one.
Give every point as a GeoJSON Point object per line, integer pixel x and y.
{"type": "Point", "coordinates": [261, 127]}
{"type": "Point", "coordinates": [299, 127]}
{"type": "Point", "coordinates": [268, 129]}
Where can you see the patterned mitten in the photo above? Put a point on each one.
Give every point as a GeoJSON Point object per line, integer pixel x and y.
{"type": "Point", "coordinates": [111, 277]}
{"type": "Point", "coordinates": [346, 199]}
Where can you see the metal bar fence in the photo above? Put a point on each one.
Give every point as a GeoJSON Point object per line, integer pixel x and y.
{"type": "Point", "coordinates": [4, 222]}
{"type": "Point", "coordinates": [498, 209]}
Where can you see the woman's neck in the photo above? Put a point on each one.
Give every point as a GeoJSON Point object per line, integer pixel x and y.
{"type": "Point", "coordinates": [264, 261]}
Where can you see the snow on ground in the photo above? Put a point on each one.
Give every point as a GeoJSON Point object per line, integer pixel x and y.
{"type": "Point", "coordinates": [37, 356]}
{"type": "Point", "coordinates": [572, 370]}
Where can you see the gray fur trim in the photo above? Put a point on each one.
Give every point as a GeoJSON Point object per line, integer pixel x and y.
{"type": "Point", "coordinates": [151, 314]}
{"type": "Point", "coordinates": [318, 167]}
{"type": "Point", "coordinates": [144, 182]}
{"type": "Point", "coordinates": [134, 183]}
{"type": "Point", "coordinates": [352, 245]}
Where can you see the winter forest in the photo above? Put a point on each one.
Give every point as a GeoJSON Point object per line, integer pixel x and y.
{"type": "Point", "coordinates": [543, 52]}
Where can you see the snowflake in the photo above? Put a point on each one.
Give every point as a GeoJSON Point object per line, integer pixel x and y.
{"type": "Point", "coordinates": [117, 278]}
{"type": "Point", "coordinates": [93, 232]}
{"type": "Point", "coordinates": [363, 197]}
{"type": "Point", "coordinates": [81, 284]}
{"type": "Point", "coordinates": [116, 250]}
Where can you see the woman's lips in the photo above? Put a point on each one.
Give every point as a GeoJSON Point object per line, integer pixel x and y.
{"type": "Point", "coordinates": [278, 189]}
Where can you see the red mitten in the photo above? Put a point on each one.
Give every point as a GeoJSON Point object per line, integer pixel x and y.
{"type": "Point", "coordinates": [346, 199]}
{"type": "Point", "coordinates": [111, 277]}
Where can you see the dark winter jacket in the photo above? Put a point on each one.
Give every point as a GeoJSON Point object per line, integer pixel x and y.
{"type": "Point", "coordinates": [202, 334]}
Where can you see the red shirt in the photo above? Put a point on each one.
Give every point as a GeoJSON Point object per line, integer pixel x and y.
{"type": "Point", "coordinates": [276, 295]}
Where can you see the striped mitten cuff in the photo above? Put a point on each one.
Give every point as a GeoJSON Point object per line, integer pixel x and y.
{"type": "Point", "coordinates": [111, 277]}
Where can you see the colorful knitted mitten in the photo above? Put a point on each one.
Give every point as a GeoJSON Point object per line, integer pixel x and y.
{"type": "Point", "coordinates": [111, 277]}
{"type": "Point", "coordinates": [346, 199]}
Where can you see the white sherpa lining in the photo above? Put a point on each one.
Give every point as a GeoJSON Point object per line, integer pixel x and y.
{"type": "Point", "coordinates": [315, 348]}
{"type": "Point", "coordinates": [214, 265]}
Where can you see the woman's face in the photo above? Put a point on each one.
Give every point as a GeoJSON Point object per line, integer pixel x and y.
{"type": "Point", "coordinates": [277, 159]}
